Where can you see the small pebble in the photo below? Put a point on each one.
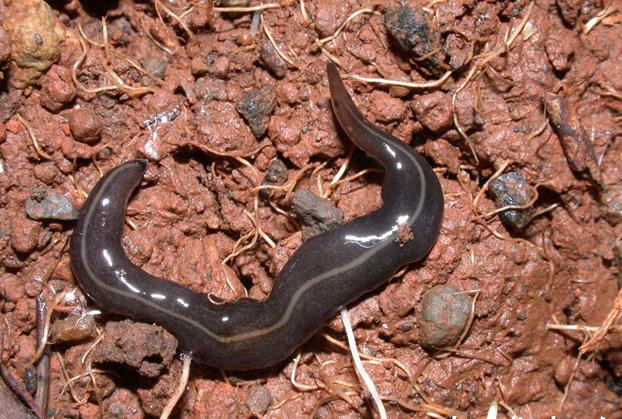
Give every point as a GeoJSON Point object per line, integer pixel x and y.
{"type": "Point", "coordinates": [317, 214]}
{"type": "Point", "coordinates": [46, 172]}
{"type": "Point", "coordinates": [414, 34]}
{"type": "Point", "coordinates": [386, 108]}
{"type": "Point", "coordinates": [244, 39]}
{"type": "Point", "coordinates": [46, 205]}
{"type": "Point", "coordinates": [272, 60]}
{"type": "Point", "coordinates": [85, 125]}
{"type": "Point", "coordinates": [155, 67]}
{"type": "Point", "coordinates": [410, 30]}
{"type": "Point", "coordinates": [256, 107]}
{"type": "Point", "coordinates": [328, 16]}
{"type": "Point", "coordinates": [444, 313]}
{"type": "Point", "coordinates": [276, 174]}
{"type": "Point", "coordinates": [288, 92]}
{"type": "Point", "coordinates": [24, 234]}
{"type": "Point", "coordinates": [123, 403]}
{"type": "Point", "coordinates": [209, 88]}
{"type": "Point", "coordinates": [258, 399]}
{"type": "Point", "coordinates": [512, 188]}
{"type": "Point", "coordinates": [30, 379]}
{"type": "Point", "coordinates": [9, 103]}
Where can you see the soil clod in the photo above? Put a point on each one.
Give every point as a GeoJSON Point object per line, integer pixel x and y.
{"type": "Point", "coordinates": [148, 348]}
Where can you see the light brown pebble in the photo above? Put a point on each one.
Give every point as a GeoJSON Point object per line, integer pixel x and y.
{"type": "Point", "coordinates": [258, 399]}
{"type": "Point", "coordinates": [85, 125]}
{"type": "Point", "coordinates": [24, 234]}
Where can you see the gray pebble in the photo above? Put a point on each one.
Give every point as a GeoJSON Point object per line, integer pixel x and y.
{"type": "Point", "coordinates": [317, 214]}
{"type": "Point", "coordinates": [275, 175]}
{"type": "Point", "coordinates": [256, 108]}
{"type": "Point", "coordinates": [46, 205]}
{"type": "Point", "coordinates": [258, 399]}
{"type": "Point", "coordinates": [409, 29]}
{"type": "Point", "coordinates": [272, 60]}
{"type": "Point", "coordinates": [412, 32]}
{"type": "Point", "coordinates": [444, 313]}
{"type": "Point", "coordinates": [512, 188]}
{"type": "Point", "coordinates": [155, 67]}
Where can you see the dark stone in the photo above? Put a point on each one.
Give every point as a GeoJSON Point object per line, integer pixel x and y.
{"type": "Point", "coordinates": [410, 30]}
{"type": "Point", "coordinates": [275, 175]}
{"type": "Point", "coordinates": [272, 60]}
{"type": "Point", "coordinates": [256, 107]}
{"type": "Point", "coordinates": [413, 33]}
{"type": "Point", "coordinates": [512, 189]}
{"type": "Point", "coordinates": [317, 214]}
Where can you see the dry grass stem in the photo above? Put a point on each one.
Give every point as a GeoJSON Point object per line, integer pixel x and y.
{"type": "Point", "coordinates": [181, 387]}
{"type": "Point", "coordinates": [613, 315]}
{"type": "Point", "coordinates": [590, 24]}
{"type": "Point", "coordinates": [340, 28]}
{"type": "Point", "coordinates": [248, 9]}
{"type": "Point", "coordinates": [90, 41]}
{"type": "Point", "coordinates": [33, 138]}
{"type": "Point", "coordinates": [408, 84]}
{"type": "Point", "coordinates": [158, 5]}
{"type": "Point", "coordinates": [275, 46]}
{"type": "Point", "coordinates": [303, 12]}
{"type": "Point", "coordinates": [296, 384]}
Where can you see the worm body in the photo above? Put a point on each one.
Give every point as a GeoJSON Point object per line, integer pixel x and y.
{"type": "Point", "coordinates": [325, 273]}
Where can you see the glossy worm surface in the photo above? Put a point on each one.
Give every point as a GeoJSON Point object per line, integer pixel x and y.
{"type": "Point", "coordinates": [325, 273]}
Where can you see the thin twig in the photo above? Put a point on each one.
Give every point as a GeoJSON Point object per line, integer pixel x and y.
{"type": "Point", "coordinates": [158, 5]}
{"type": "Point", "coordinates": [409, 84]}
{"type": "Point", "coordinates": [181, 388]}
{"type": "Point", "coordinates": [275, 46]}
{"type": "Point", "coordinates": [359, 365]}
{"type": "Point", "coordinates": [323, 41]}
{"type": "Point", "coordinates": [33, 138]}
{"type": "Point", "coordinates": [43, 366]}
{"type": "Point", "coordinates": [248, 9]}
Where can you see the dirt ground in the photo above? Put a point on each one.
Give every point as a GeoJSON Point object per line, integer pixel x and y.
{"type": "Point", "coordinates": [516, 104]}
